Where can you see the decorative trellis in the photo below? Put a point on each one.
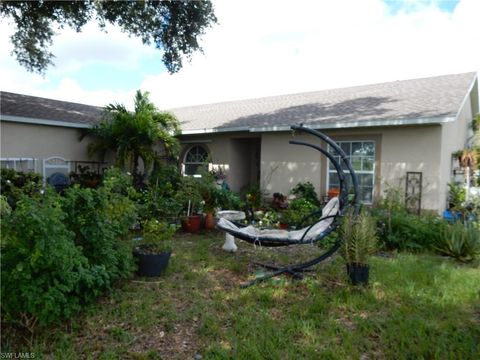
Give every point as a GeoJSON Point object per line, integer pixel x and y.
{"type": "Point", "coordinates": [413, 192]}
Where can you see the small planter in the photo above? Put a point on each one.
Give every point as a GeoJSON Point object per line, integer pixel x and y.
{"type": "Point", "coordinates": [151, 265]}
{"type": "Point", "coordinates": [358, 273]}
{"type": "Point", "coordinates": [192, 223]}
{"type": "Point", "coordinates": [209, 221]}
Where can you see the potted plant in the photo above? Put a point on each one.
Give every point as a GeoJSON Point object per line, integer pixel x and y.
{"type": "Point", "coordinates": [189, 195]}
{"type": "Point", "coordinates": [154, 248]}
{"type": "Point", "coordinates": [359, 235]}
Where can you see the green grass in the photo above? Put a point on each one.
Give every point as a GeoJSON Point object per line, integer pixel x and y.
{"type": "Point", "coordinates": [416, 307]}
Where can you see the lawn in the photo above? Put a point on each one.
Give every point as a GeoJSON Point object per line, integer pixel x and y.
{"type": "Point", "coordinates": [416, 306]}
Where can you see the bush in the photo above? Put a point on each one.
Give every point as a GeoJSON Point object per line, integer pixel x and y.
{"type": "Point", "coordinates": [298, 211]}
{"type": "Point", "coordinates": [44, 276]}
{"type": "Point", "coordinates": [100, 220]}
{"type": "Point", "coordinates": [408, 232]}
{"type": "Point", "coordinates": [460, 242]}
{"type": "Point", "coordinates": [15, 183]}
{"type": "Point", "coordinates": [306, 191]}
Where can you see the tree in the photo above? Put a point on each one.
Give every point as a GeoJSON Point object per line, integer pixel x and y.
{"type": "Point", "coordinates": [173, 26]}
{"type": "Point", "coordinates": [133, 135]}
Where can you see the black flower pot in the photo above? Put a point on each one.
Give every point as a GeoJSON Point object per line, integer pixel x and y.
{"type": "Point", "coordinates": [358, 273]}
{"type": "Point", "coordinates": [152, 264]}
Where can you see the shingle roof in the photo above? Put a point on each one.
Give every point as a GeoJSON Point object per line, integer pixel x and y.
{"type": "Point", "coordinates": [37, 108]}
{"type": "Point", "coordinates": [419, 99]}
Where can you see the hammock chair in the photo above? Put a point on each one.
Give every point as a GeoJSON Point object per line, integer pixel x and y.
{"type": "Point", "coordinates": [329, 218]}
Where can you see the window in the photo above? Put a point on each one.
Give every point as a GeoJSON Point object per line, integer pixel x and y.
{"type": "Point", "coordinates": [362, 156]}
{"type": "Point", "coordinates": [18, 164]}
{"type": "Point", "coordinates": [195, 157]}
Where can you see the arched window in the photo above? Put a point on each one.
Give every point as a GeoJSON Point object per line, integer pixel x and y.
{"type": "Point", "coordinates": [195, 157]}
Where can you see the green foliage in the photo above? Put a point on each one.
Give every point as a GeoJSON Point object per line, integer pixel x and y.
{"type": "Point", "coordinates": [253, 196]}
{"type": "Point", "coordinates": [359, 235]}
{"type": "Point", "coordinates": [100, 220]}
{"type": "Point", "coordinates": [16, 183]}
{"type": "Point", "coordinates": [228, 200]}
{"type": "Point", "coordinates": [173, 26]}
{"type": "Point", "coordinates": [267, 218]}
{"type": "Point", "coordinates": [459, 241]}
{"type": "Point", "coordinates": [133, 135]}
{"type": "Point", "coordinates": [306, 191]}
{"type": "Point", "coordinates": [45, 277]}
{"type": "Point", "coordinates": [456, 196]}
{"type": "Point", "coordinates": [157, 237]}
{"type": "Point", "coordinates": [408, 232]}
{"type": "Point", "coordinates": [298, 211]}
{"type": "Point", "coordinates": [189, 192]}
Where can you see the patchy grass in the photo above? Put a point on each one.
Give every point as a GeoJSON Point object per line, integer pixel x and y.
{"type": "Point", "coordinates": [416, 306]}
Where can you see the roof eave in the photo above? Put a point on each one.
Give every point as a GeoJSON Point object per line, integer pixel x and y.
{"type": "Point", "coordinates": [35, 121]}
{"type": "Point", "coordinates": [330, 125]}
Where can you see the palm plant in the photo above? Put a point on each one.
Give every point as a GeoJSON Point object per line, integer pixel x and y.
{"type": "Point", "coordinates": [132, 136]}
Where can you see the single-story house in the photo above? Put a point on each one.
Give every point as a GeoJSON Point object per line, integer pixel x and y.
{"type": "Point", "coordinates": [391, 132]}
{"type": "Point", "coordinates": [42, 135]}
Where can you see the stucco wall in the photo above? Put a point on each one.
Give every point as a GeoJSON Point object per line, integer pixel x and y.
{"type": "Point", "coordinates": [454, 137]}
{"type": "Point", "coordinates": [425, 148]}
{"type": "Point", "coordinates": [41, 142]}
{"type": "Point", "coordinates": [398, 150]}
{"type": "Point", "coordinates": [231, 152]}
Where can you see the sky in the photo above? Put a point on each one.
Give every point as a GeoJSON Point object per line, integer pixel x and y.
{"type": "Point", "coordinates": [261, 48]}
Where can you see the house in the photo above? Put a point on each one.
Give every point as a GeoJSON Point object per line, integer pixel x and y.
{"type": "Point", "coordinates": [396, 133]}
{"type": "Point", "coordinates": [42, 135]}
{"type": "Point", "coordinates": [400, 133]}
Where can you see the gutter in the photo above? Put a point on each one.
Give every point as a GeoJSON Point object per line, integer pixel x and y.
{"type": "Point", "coordinates": [35, 121]}
{"type": "Point", "coordinates": [330, 125]}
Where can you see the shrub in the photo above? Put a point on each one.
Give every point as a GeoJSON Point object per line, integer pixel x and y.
{"type": "Point", "coordinates": [306, 191]}
{"type": "Point", "coordinates": [403, 231]}
{"type": "Point", "coordinates": [44, 276]}
{"type": "Point", "coordinates": [15, 183]}
{"type": "Point", "coordinates": [100, 220]}
{"type": "Point", "coordinates": [298, 212]}
{"type": "Point", "coordinates": [458, 241]}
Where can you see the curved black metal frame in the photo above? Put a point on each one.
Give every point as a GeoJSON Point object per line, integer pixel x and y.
{"type": "Point", "coordinates": [296, 269]}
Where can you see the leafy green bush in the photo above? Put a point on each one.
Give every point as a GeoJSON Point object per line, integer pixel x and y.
{"type": "Point", "coordinates": [228, 200]}
{"type": "Point", "coordinates": [100, 220]}
{"type": "Point", "coordinates": [44, 276]}
{"type": "Point", "coordinates": [15, 183]}
{"type": "Point", "coordinates": [408, 232]}
{"type": "Point", "coordinates": [306, 191]}
{"type": "Point", "coordinates": [157, 237]}
{"type": "Point", "coordinates": [298, 211]}
{"type": "Point", "coordinates": [458, 241]}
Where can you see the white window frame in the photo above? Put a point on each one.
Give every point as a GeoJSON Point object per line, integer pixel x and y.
{"type": "Point", "coordinates": [19, 159]}
{"type": "Point", "coordinates": [55, 162]}
{"type": "Point", "coordinates": [372, 172]}
{"type": "Point", "coordinates": [184, 162]}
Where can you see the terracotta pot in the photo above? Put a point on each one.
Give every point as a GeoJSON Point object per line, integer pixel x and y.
{"type": "Point", "coordinates": [191, 224]}
{"type": "Point", "coordinates": [283, 226]}
{"type": "Point", "coordinates": [209, 221]}
{"type": "Point", "coordinates": [333, 192]}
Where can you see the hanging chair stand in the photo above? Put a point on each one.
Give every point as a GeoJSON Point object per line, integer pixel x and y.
{"type": "Point", "coordinates": [327, 223]}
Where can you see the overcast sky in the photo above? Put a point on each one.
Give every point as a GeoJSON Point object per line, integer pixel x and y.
{"type": "Point", "coordinates": [262, 48]}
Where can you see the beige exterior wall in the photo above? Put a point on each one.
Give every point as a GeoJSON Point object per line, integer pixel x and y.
{"type": "Point", "coordinates": [233, 153]}
{"type": "Point", "coordinates": [41, 142]}
{"type": "Point", "coordinates": [398, 150]}
{"type": "Point", "coordinates": [454, 137]}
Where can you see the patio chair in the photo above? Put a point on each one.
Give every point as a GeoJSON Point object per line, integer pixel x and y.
{"type": "Point", "coordinates": [328, 220]}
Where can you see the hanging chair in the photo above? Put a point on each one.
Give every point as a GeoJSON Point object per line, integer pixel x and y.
{"type": "Point", "coordinates": [328, 220]}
